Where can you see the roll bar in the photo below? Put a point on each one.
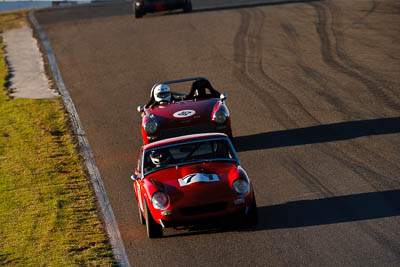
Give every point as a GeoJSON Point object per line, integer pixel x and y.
{"type": "Point", "coordinates": [177, 81]}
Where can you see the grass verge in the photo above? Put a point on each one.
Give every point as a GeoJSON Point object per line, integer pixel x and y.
{"type": "Point", "coordinates": [48, 210]}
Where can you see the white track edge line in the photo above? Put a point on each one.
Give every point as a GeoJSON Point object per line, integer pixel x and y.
{"type": "Point", "coordinates": [101, 194]}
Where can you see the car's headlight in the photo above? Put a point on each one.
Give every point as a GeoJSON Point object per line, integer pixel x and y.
{"type": "Point", "coordinates": [150, 126]}
{"type": "Point", "coordinates": [220, 116]}
{"type": "Point", "coordinates": [159, 200]}
{"type": "Point", "coordinates": [241, 186]}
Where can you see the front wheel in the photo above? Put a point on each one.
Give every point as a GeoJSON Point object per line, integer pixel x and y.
{"type": "Point", "coordinates": [188, 6]}
{"type": "Point", "coordinates": [138, 14]}
{"type": "Point", "coordinates": [154, 230]}
{"type": "Point", "coordinates": [252, 215]}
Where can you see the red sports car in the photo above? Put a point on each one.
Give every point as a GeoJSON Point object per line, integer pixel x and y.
{"type": "Point", "coordinates": [203, 110]}
{"type": "Point", "coordinates": [184, 180]}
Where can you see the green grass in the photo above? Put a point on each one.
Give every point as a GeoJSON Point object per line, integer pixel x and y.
{"type": "Point", "coordinates": [48, 210]}
{"type": "Point", "coordinates": [12, 19]}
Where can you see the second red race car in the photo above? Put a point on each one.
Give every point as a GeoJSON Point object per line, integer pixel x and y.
{"type": "Point", "coordinates": [185, 180]}
{"type": "Point", "coordinates": [170, 114]}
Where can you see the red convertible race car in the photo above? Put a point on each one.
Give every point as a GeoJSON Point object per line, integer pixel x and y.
{"type": "Point", "coordinates": [184, 180]}
{"type": "Point", "coordinates": [170, 114]}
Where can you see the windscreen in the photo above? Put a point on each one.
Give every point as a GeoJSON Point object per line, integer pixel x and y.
{"type": "Point", "coordinates": [187, 153]}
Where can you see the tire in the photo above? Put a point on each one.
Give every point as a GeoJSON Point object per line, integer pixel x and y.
{"type": "Point", "coordinates": [251, 218]}
{"type": "Point", "coordinates": [188, 6]}
{"type": "Point", "coordinates": [154, 230]}
{"type": "Point", "coordinates": [138, 14]}
{"type": "Point", "coordinates": [141, 218]}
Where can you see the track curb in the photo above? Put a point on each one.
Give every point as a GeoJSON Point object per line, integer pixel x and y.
{"type": "Point", "coordinates": [100, 191]}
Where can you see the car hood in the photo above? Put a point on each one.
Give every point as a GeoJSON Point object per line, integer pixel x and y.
{"type": "Point", "coordinates": [196, 184]}
{"type": "Point", "coordinates": [185, 110]}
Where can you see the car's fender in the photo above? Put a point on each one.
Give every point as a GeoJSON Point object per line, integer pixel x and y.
{"type": "Point", "coordinates": [220, 105]}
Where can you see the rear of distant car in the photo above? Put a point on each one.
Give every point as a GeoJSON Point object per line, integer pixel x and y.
{"type": "Point", "coordinates": [141, 7]}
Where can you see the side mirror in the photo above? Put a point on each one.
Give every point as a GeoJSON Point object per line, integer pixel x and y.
{"type": "Point", "coordinates": [140, 109]}
{"type": "Point", "coordinates": [134, 177]}
{"type": "Point", "coordinates": [222, 97]}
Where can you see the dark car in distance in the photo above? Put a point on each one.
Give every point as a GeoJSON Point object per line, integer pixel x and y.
{"type": "Point", "coordinates": [141, 7]}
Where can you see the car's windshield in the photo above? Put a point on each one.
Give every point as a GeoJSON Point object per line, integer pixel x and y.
{"type": "Point", "coordinates": [179, 154]}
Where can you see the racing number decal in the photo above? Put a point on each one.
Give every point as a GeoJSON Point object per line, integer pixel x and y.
{"type": "Point", "coordinates": [198, 177]}
{"type": "Point", "coordinates": [184, 113]}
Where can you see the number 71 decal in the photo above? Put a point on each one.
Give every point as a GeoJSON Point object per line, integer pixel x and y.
{"type": "Point", "coordinates": [198, 177]}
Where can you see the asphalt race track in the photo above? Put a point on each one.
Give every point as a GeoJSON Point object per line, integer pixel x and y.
{"type": "Point", "coordinates": [314, 93]}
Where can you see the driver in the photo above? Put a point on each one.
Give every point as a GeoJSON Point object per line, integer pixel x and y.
{"type": "Point", "coordinates": [161, 95]}
{"type": "Point", "coordinates": [159, 158]}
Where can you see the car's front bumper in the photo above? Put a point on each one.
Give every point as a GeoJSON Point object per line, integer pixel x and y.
{"type": "Point", "coordinates": [213, 212]}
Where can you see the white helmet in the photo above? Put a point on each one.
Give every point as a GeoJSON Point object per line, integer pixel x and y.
{"type": "Point", "coordinates": [162, 93]}
{"type": "Point", "coordinates": [158, 157]}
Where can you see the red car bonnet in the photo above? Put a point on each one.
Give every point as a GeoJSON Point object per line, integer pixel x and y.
{"type": "Point", "coordinates": [226, 172]}
{"type": "Point", "coordinates": [175, 111]}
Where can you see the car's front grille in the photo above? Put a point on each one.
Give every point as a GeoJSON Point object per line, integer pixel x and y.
{"type": "Point", "coordinates": [193, 129]}
{"type": "Point", "coordinates": [203, 209]}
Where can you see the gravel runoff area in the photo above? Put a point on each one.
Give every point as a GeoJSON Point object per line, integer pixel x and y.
{"type": "Point", "coordinates": [28, 78]}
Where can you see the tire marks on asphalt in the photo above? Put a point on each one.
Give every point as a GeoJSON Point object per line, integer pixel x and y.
{"type": "Point", "coordinates": [240, 71]}
{"type": "Point", "coordinates": [333, 55]}
{"type": "Point", "coordinates": [248, 44]}
{"type": "Point", "coordinates": [321, 79]}
{"type": "Point", "coordinates": [338, 32]}
{"type": "Point", "coordinates": [354, 70]}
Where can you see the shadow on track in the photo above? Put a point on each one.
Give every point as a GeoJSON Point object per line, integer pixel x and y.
{"type": "Point", "coordinates": [303, 213]}
{"type": "Point", "coordinates": [251, 5]}
{"type": "Point", "coordinates": [231, 6]}
{"type": "Point", "coordinates": [318, 134]}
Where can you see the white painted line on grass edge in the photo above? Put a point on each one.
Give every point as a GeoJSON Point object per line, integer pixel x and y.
{"type": "Point", "coordinates": [101, 194]}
